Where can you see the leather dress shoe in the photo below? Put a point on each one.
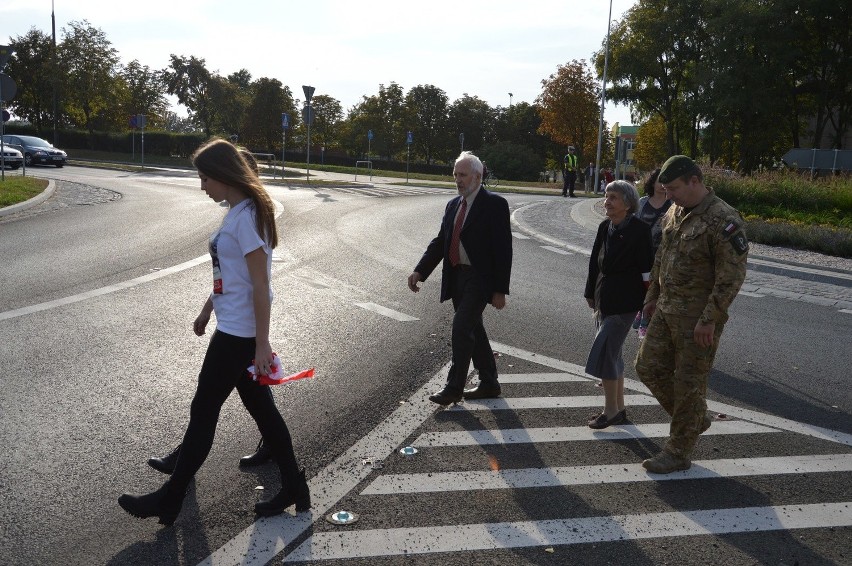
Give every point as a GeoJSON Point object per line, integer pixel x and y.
{"type": "Point", "coordinates": [293, 492]}
{"type": "Point", "coordinates": [262, 455]}
{"type": "Point", "coordinates": [446, 396]}
{"type": "Point", "coordinates": [483, 391]}
{"type": "Point", "coordinates": [600, 421]}
{"type": "Point", "coordinates": [167, 463]}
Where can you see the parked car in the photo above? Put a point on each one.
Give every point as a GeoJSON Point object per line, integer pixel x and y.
{"type": "Point", "coordinates": [12, 157]}
{"type": "Point", "coordinates": [36, 150]}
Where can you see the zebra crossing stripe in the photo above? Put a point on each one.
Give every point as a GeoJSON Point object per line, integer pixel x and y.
{"type": "Point", "coordinates": [603, 474]}
{"type": "Point", "coordinates": [493, 536]}
{"type": "Point", "coordinates": [517, 403]}
{"type": "Point", "coordinates": [543, 377]}
{"type": "Point", "coordinates": [556, 250]}
{"type": "Point", "coordinates": [571, 434]}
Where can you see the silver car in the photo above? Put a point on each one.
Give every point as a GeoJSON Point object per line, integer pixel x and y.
{"type": "Point", "coordinates": [36, 150]}
{"type": "Point", "coordinates": [12, 158]}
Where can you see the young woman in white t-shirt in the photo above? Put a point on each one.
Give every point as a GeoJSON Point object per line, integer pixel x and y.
{"type": "Point", "coordinates": [241, 252]}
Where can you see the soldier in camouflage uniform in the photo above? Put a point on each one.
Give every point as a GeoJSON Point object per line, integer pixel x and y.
{"type": "Point", "coordinates": [697, 272]}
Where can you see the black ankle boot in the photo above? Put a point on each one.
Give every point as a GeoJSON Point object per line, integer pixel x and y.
{"type": "Point", "coordinates": [167, 463]}
{"type": "Point", "coordinates": [262, 455]}
{"type": "Point", "coordinates": [293, 492]}
{"type": "Point", "coordinates": [162, 504]}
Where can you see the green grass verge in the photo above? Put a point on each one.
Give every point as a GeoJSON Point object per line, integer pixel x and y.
{"type": "Point", "coordinates": [18, 189]}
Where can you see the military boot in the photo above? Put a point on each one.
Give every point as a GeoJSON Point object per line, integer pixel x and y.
{"type": "Point", "coordinates": [666, 463]}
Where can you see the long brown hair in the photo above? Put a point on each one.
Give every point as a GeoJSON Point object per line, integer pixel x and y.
{"type": "Point", "coordinates": [221, 160]}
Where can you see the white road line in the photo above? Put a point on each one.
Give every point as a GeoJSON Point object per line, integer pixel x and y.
{"type": "Point", "coordinates": [384, 311]}
{"type": "Point", "coordinates": [571, 434]}
{"type": "Point", "coordinates": [598, 474]}
{"type": "Point", "coordinates": [104, 290]}
{"type": "Point", "coordinates": [262, 540]}
{"type": "Point", "coordinates": [556, 250]}
{"type": "Point", "coordinates": [493, 536]}
{"type": "Point", "coordinates": [573, 402]}
{"type": "Point", "coordinates": [811, 270]}
{"type": "Point", "coordinates": [117, 286]}
{"type": "Point", "coordinates": [543, 377]}
{"type": "Point", "coordinates": [738, 412]}
{"type": "Point", "coordinates": [520, 236]}
{"type": "Point", "coordinates": [750, 294]}
{"type": "Point", "coordinates": [847, 311]}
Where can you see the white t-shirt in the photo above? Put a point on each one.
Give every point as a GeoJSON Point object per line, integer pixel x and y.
{"type": "Point", "coordinates": [232, 289]}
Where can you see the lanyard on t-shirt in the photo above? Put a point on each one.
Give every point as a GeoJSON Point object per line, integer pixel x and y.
{"type": "Point", "coordinates": [218, 288]}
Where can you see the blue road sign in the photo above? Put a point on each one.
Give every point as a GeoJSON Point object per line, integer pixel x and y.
{"type": "Point", "coordinates": [133, 121]}
{"type": "Point", "coordinates": [285, 120]}
{"type": "Point", "coordinates": [410, 139]}
{"type": "Point", "coordinates": [370, 135]}
{"type": "Point", "coordinates": [6, 115]}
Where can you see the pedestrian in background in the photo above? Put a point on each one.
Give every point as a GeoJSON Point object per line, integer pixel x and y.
{"type": "Point", "coordinates": [652, 207]}
{"type": "Point", "coordinates": [697, 273]}
{"type": "Point", "coordinates": [590, 177]}
{"type": "Point", "coordinates": [619, 268]}
{"type": "Point", "coordinates": [569, 172]}
{"type": "Point", "coordinates": [475, 245]}
{"type": "Point", "coordinates": [241, 252]}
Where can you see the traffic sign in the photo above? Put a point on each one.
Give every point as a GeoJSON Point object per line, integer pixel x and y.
{"type": "Point", "coordinates": [410, 139]}
{"type": "Point", "coordinates": [285, 120]}
{"type": "Point", "coordinates": [370, 135]}
{"type": "Point", "coordinates": [309, 93]}
{"type": "Point", "coordinates": [6, 116]}
{"type": "Point", "coordinates": [308, 115]}
{"type": "Point", "coordinates": [132, 121]}
{"type": "Point", "coordinates": [5, 53]}
{"type": "Point", "coordinates": [8, 88]}
{"type": "Point", "coordinates": [140, 121]}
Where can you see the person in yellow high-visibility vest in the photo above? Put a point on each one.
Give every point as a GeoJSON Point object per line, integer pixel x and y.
{"type": "Point", "coordinates": [569, 172]}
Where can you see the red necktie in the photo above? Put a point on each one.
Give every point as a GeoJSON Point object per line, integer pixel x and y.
{"type": "Point", "coordinates": [454, 243]}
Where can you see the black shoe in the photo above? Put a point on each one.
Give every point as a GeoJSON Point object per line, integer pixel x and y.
{"type": "Point", "coordinates": [600, 421]}
{"type": "Point", "coordinates": [262, 455]}
{"type": "Point", "coordinates": [296, 492]}
{"type": "Point", "coordinates": [167, 463]}
{"type": "Point", "coordinates": [160, 504]}
{"type": "Point", "coordinates": [483, 391]}
{"type": "Point", "coordinates": [573, 196]}
{"type": "Point", "coordinates": [446, 396]}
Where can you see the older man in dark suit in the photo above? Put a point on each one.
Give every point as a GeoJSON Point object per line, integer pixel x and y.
{"type": "Point", "coordinates": [475, 244]}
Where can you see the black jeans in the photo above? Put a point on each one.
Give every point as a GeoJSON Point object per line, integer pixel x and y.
{"type": "Point", "coordinates": [469, 340]}
{"type": "Point", "coordinates": [225, 368]}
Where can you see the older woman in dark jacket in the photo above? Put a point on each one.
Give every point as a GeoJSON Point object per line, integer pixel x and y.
{"type": "Point", "coordinates": [619, 270]}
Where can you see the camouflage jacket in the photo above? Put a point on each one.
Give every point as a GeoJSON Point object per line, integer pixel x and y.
{"type": "Point", "coordinates": [701, 263]}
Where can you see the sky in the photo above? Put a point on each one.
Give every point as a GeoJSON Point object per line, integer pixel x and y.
{"type": "Point", "coordinates": [346, 49]}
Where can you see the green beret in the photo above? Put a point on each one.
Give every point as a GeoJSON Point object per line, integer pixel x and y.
{"type": "Point", "coordinates": [675, 166]}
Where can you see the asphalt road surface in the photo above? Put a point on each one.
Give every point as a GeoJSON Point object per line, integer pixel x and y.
{"type": "Point", "coordinates": [101, 283]}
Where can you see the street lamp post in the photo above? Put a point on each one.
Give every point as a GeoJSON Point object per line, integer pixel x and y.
{"type": "Point", "coordinates": [309, 93]}
{"type": "Point", "coordinates": [510, 99]}
{"type": "Point", "coordinates": [603, 101]}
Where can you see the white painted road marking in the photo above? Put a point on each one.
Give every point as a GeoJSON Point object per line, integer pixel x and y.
{"type": "Point", "coordinates": [543, 377]}
{"type": "Point", "coordinates": [603, 474]}
{"type": "Point", "coordinates": [517, 403]}
{"type": "Point", "coordinates": [571, 434]}
{"type": "Point", "coordinates": [520, 236]}
{"type": "Point", "coordinates": [262, 540]}
{"type": "Point", "coordinates": [556, 250]}
{"type": "Point", "coordinates": [384, 311]}
{"type": "Point", "coordinates": [750, 294]}
{"type": "Point", "coordinates": [492, 536]}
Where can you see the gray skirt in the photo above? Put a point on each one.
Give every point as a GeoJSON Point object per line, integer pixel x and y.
{"type": "Point", "coordinates": [605, 360]}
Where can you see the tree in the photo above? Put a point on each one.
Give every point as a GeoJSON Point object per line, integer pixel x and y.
{"type": "Point", "coordinates": [654, 51]}
{"type": "Point", "coordinates": [189, 80]}
{"type": "Point", "coordinates": [519, 124]}
{"type": "Point", "coordinates": [145, 93]}
{"type": "Point", "coordinates": [473, 117]}
{"type": "Point", "coordinates": [650, 151]}
{"type": "Point", "coordinates": [262, 125]}
{"type": "Point", "coordinates": [327, 117]}
{"type": "Point", "coordinates": [90, 62]}
{"type": "Point", "coordinates": [427, 111]}
{"type": "Point", "coordinates": [568, 106]}
{"type": "Point", "coordinates": [32, 66]}
{"type": "Point", "coordinates": [512, 161]}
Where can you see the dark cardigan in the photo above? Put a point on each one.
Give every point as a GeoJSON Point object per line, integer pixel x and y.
{"type": "Point", "coordinates": [629, 254]}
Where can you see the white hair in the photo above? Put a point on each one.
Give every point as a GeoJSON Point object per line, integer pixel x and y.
{"type": "Point", "coordinates": [475, 163]}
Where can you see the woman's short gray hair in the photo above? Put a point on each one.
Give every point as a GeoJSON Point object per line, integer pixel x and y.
{"type": "Point", "coordinates": [628, 193]}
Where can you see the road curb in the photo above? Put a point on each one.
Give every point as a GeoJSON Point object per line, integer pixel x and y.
{"type": "Point", "coordinates": [38, 199]}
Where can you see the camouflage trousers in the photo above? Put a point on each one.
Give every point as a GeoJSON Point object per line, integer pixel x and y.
{"type": "Point", "coordinates": [675, 369]}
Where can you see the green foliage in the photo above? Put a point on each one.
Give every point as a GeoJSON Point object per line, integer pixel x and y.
{"type": "Point", "coordinates": [512, 161]}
